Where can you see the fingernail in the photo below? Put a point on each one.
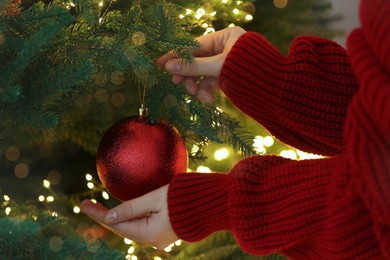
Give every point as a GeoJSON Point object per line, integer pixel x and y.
{"type": "Point", "coordinates": [173, 66]}
{"type": "Point", "coordinates": [111, 216]}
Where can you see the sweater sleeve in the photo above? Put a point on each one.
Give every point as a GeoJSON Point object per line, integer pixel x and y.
{"type": "Point", "coordinates": [303, 209]}
{"type": "Point", "coordinates": [367, 132]}
{"type": "Point", "coordinates": [301, 99]}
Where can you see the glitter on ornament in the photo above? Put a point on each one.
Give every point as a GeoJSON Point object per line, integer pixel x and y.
{"type": "Point", "coordinates": [135, 157]}
{"type": "Point", "coordinates": [138, 38]}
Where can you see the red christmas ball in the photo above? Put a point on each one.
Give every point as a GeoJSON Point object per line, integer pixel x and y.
{"type": "Point", "coordinates": [135, 157]}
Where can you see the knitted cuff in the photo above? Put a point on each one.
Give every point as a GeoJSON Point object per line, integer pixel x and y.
{"type": "Point", "coordinates": [197, 205]}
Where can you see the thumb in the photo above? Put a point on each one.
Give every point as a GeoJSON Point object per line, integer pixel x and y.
{"type": "Point", "coordinates": [202, 66]}
{"type": "Point", "coordinates": [132, 209]}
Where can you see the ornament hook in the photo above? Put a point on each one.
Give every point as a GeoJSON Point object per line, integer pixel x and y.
{"type": "Point", "coordinates": [142, 111]}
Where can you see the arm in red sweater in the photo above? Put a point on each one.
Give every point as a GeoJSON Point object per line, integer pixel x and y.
{"type": "Point", "coordinates": [303, 209]}
{"type": "Point", "coordinates": [367, 132]}
{"type": "Point", "coordinates": [334, 208]}
{"type": "Point", "coordinates": [302, 99]}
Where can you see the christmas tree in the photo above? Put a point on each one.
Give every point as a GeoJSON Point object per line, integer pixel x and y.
{"type": "Point", "coordinates": [70, 69]}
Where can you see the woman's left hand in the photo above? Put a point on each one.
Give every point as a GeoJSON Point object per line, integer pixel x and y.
{"type": "Point", "coordinates": [144, 219]}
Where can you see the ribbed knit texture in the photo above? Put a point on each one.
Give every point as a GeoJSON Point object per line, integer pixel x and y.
{"type": "Point", "coordinates": [319, 99]}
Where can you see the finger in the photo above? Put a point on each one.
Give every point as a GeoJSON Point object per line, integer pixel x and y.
{"type": "Point", "coordinates": [207, 66]}
{"type": "Point", "coordinates": [190, 85]}
{"type": "Point", "coordinates": [96, 211]}
{"type": "Point", "coordinates": [177, 79]}
{"type": "Point", "coordinates": [205, 93]}
{"type": "Point", "coordinates": [138, 229]}
{"type": "Point", "coordinates": [166, 57]}
{"type": "Point", "coordinates": [132, 209]}
{"type": "Point", "coordinates": [213, 43]}
{"type": "Point", "coordinates": [211, 82]}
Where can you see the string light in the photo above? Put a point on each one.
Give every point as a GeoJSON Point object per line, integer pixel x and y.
{"type": "Point", "coordinates": [128, 241]}
{"type": "Point", "coordinates": [88, 177]}
{"type": "Point", "coordinates": [105, 195]}
{"type": "Point", "coordinates": [195, 148]}
{"type": "Point", "coordinates": [188, 11]}
{"type": "Point", "coordinates": [213, 13]}
{"type": "Point", "coordinates": [169, 248]}
{"type": "Point", "coordinates": [101, 3]}
{"type": "Point", "coordinates": [90, 185]}
{"type": "Point", "coordinates": [232, 25]}
{"type": "Point", "coordinates": [236, 11]}
{"type": "Point", "coordinates": [199, 13]}
{"type": "Point", "coordinates": [224, 1]}
{"type": "Point", "coordinates": [41, 198]}
{"type": "Point", "coordinates": [307, 156]}
{"type": "Point", "coordinates": [258, 144]}
{"type": "Point", "coordinates": [94, 201]}
{"type": "Point", "coordinates": [49, 198]}
{"type": "Point", "coordinates": [6, 198]}
{"type": "Point", "coordinates": [178, 242]}
{"type": "Point", "coordinates": [7, 210]}
{"type": "Point", "coordinates": [131, 250]}
{"type": "Point", "coordinates": [221, 154]}
{"type": "Point", "coordinates": [289, 154]}
{"type": "Point", "coordinates": [268, 141]}
{"type": "Point", "coordinates": [181, 16]}
{"type": "Point", "coordinates": [249, 17]}
{"type": "Point", "coordinates": [76, 209]}
{"type": "Point", "coordinates": [203, 169]}
{"type": "Point", "coordinates": [209, 30]}
{"type": "Point", "coordinates": [157, 258]}
{"type": "Point", "coordinates": [46, 184]}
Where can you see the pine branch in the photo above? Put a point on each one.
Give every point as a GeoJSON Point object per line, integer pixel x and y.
{"type": "Point", "coordinates": [45, 238]}
{"type": "Point", "coordinates": [30, 51]}
{"type": "Point", "coordinates": [232, 132]}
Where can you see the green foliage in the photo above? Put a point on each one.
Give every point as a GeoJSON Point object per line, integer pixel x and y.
{"type": "Point", "coordinates": [47, 237]}
{"type": "Point", "coordinates": [221, 246]}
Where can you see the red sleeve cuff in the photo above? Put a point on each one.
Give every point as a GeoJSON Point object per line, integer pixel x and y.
{"type": "Point", "coordinates": [197, 205]}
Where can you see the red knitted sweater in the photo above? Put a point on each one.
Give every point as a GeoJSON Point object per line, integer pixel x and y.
{"type": "Point", "coordinates": [320, 99]}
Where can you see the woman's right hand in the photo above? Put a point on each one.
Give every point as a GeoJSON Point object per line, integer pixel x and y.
{"type": "Point", "coordinates": [200, 77]}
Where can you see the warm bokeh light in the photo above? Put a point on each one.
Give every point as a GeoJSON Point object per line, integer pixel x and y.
{"type": "Point", "coordinates": [12, 153]}
{"type": "Point", "coordinates": [46, 184]}
{"type": "Point", "coordinates": [54, 177]}
{"type": "Point", "coordinates": [221, 154]}
{"type": "Point", "coordinates": [203, 169]}
{"type": "Point", "coordinates": [268, 141]}
{"type": "Point", "coordinates": [76, 209]}
{"type": "Point", "coordinates": [289, 154]}
{"type": "Point", "coordinates": [7, 210]}
{"type": "Point", "coordinates": [127, 241]}
{"type": "Point", "coordinates": [280, 3]}
{"type": "Point", "coordinates": [21, 170]}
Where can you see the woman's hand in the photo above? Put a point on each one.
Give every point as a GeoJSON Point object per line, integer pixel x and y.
{"type": "Point", "coordinates": [200, 77]}
{"type": "Point", "coordinates": [144, 219]}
